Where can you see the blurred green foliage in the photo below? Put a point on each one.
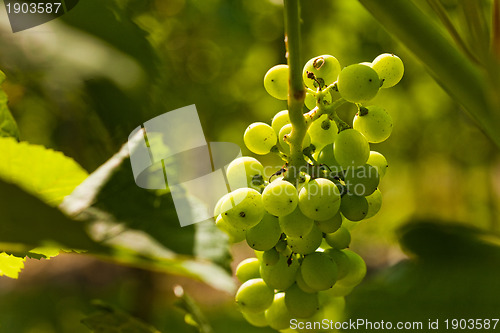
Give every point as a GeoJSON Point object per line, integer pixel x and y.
{"type": "Point", "coordinates": [82, 83]}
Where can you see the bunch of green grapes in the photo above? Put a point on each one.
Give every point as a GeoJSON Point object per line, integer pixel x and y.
{"type": "Point", "coordinates": [300, 227]}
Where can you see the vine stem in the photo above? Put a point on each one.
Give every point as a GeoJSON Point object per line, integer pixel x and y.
{"type": "Point", "coordinates": [296, 90]}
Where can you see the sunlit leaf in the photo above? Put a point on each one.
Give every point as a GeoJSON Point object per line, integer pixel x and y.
{"type": "Point", "coordinates": [42, 172]}
{"type": "Point", "coordinates": [11, 265]}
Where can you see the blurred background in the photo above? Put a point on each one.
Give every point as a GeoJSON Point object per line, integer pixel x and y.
{"type": "Point", "coordinates": [80, 84]}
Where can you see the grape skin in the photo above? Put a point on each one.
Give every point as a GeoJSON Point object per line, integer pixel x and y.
{"type": "Point", "coordinates": [280, 198]}
{"type": "Point", "coordinates": [353, 207]}
{"type": "Point", "coordinates": [260, 138]}
{"type": "Point", "coordinates": [296, 224]}
{"type": "Point", "coordinates": [361, 181]}
{"type": "Point", "coordinates": [319, 199]}
{"type": "Point", "coordinates": [279, 120]}
{"type": "Point", "coordinates": [389, 68]}
{"type": "Point", "coordinates": [319, 271]}
{"type": "Point", "coordinates": [248, 269]}
{"type": "Point", "coordinates": [279, 276]}
{"type": "Point", "coordinates": [351, 149]}
{"type": "Point", "coordinates": [375, 125]}
{"type": "Point", "coordinates": [254, 296]}
{"type": "Point", "coordinates": [276, 82]}
{"type": "Point", "coordinates": [378, 160]}
{"type": "Point", "coordinates": [325, 68]}
{"type": "Point", "coordinates": [299, 303]}
{"type": "Point", "coordinates": [278, 315]}
{"type": "Point", "coordinates": [322, 131]}
{"type": "Point", "coordinates": [307, 243]}
{"type": "Point", "coordinates": [243, 208]}
{"type": "Point", "coordinates": [339, 239]}
{"type": "Point", "coordinates": [241, 172]}
{"type": "Point", "coordinates": [286, 130]}
{"type": "Point", "coordinates": [265, 234]}
{"type": "Point", "coordinates": [358, 83]}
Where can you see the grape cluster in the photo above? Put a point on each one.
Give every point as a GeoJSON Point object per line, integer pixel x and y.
{"type": "Point", "coordinates": [299, 223]}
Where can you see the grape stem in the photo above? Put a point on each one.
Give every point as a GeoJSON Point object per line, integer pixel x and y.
{"type": "Point", "coordinates": [296, 90]}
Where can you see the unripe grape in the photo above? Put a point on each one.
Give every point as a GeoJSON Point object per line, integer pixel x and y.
{"type": "Point", "coordinates": [243, 208]}
{"type": "Point", "coordinates": [326, 69]}
{"type": "Point", "coordinates": [374, 203]}
{"type": "Point", "coordinates": [285, 131]}
{"type": "Point", "coordinates": [278, 316]}
{"type": "Point", "coordinates": [374, 122]}
{"type": "Point", "coordinates": [276, 82]}
{"type": "Point", "coordinates": [389, 68]}
{"type": "Point", "coordinates": [322, 131]}
{"type": "Point", "coordinates": [248, 269]}
{"type": "Point", "coordinates": [351, 149]}
{"type": "Point", "coordinates": [358, 83]}
{"type": "Point", "coordinates": [319, 271]}
{"type": "Point", "coordinates": [235, 234]}
{"type": "Point", "coordinates": [327, 157]}
{"type": "Point", "coordinates": [301, 304]}
{"type": "Point", "coordinates": [312, 100]}
{"type": "Point", "coordinates": [339, 239]}
{"type": "Point", "coordinates": [280, 275]}
{"type": "Point", "coordinates": [281, 245]}
{"type": "Point", "coordinates": [296, 224]}
{"type": "Point", "coordinates": [307, 243]}
{"type": "Point", "coordinates": [299, 280]}
{"type": "Point", "coordinates": [353, 207]}
{"type": "Point", "coordinates": [243, 172]}
{"type": "Point", "coordinates": [256, 319]}
{"type": "Point", "coordinates": [356, 271]}
{"type": "Point", "coordinates": [339, 290]}
{"type": "Point", "coordinates": [280, 119]}
{"type": "Point", "coordinates": [254, 296]}
{"type": "Point", "coordinates": [260, 138]}
{"type": "Point", "coordinates": [265, 234]}
{"type": "Point", "coordinates": [319, 199]}
{"type": "Point", "coordinates": [218, 205]}
{"type": "Point", "coordinates": [270, 257]}
{"type": "Point", "coordinates": [341, 259]}
{"type": "Point", "coordinates": [378, 160]}
{"type": "Point", "coordinates": [361, 181]}
{"type": "Point", "coordinates": [330, 225]}
{"type": "Point", "coordinates": [280, 198]}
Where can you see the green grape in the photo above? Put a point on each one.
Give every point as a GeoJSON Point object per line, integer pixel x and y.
{"type": "Point", "coordinates": [340, 259]}
{"type": "Point", "coordinates": [281, 245]}
{"type": "Point", "coordinates": [258, 254]}
{"type": "Point", "coordinates": [278, 316]}
{"type": "Point", "coordinates": [299, 303]}
{"type": "Point", "coordinates": [356, 270]}
{"type": "Point", "coordinates": [358, 83]}
{"type": "Point", "coordinates": [310, 101]}
{"type": "Point", "coordinates": [389, 68]}
{"type": "Point", "coordinates": [339, 290]}
{"type": "Point", "coordinates": [296, 224]}
{"type": "Point", "coordinates": [254, 296]}
{"type": "Point", "coordinates": [378, 160]}
{"type": "Point", "coordinates": [361, 181]}
{"type": "Point", "coordinates": [280, 119]}
{"type": "Point", "coordinates": [280, 198]}
{"type": "Point", "coordinates": [327, 158]}
{"type": "Point", "coordinates": [299, 280]}
{"type": "Point", "coordinates": [235, 234]}
{"type": "Point", "coordinates": [326, 69]}
{"type": "Point", "coordinates": [319, 271]}
{"type": "Point", "coordinates": [243, 208]}
{"type": "Point", "coordinates": [219, 204]}
{"type": "Point", "coordinates": [260, 138]}
{"type": "Point", "coordinates": [248, 269]}
{"type": "Point", "coordinates": [332, 309]}
{"type": "Point", "coordinates": [270, 257]}
{"type": "Point", "coordinates": [351, 149]}
{"type": "Point", "coordinates": [286, 130]}
{"type": "Point", "coordinates": [244, 172]}
{"type": "Point", "coordinates": [256, 319]}
{"type": "Point", "coordinates": [374, 122]}
{"type": "Point", "coordinates": [276, 82]}
{"type": "Point", "coordinates": [330, 225]}
{"type": "Point", "coordinates": [280, 275]}
{"type": "Point", "coordinates": [319, 199]}
{"type": "Point", "coordinates": [307, 243]}
{"type": "Point", "coordinates": [374, 203]}
{"type": "Point", "coordinates": [322, 131]}
{"type": "Point", "coordinates": [339, 239]}
{"type": "Point", "coordinates": [265, 234]}
{"type": "Point", "coordinates": [353, 207]}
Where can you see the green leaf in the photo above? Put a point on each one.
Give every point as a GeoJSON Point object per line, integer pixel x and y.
{"type": "Point", "coordinates": [110, 320]}
{"type": "Point", "coordinates": [43, 172]}
{"type": "Point", "coordinates": [464, 81]}
{"type": "Point", "coordinates": [10, 265]}
{"type": "Point", "coordinates": [29, 221]}
{"type": "Point", "coordinates": [8, 126]}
